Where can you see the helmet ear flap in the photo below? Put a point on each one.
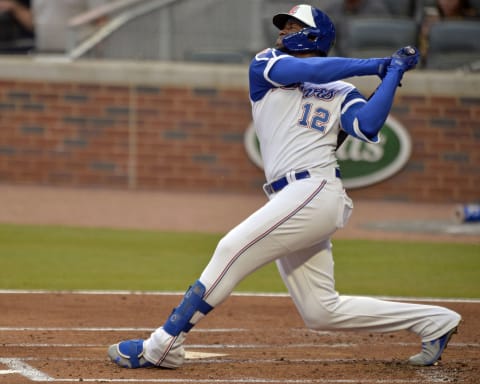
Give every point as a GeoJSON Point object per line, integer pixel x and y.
{"type": "Point", "coordinates": [312, 37]}
{"type": "Point", "coordinates": [324, 40]}
{"type": "Point", "coordinates": [308, 40]}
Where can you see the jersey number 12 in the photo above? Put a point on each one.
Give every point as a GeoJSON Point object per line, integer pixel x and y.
{"type": "Point", "coordinates": [314, 118]}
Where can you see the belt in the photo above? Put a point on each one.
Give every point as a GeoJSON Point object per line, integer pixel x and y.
{"type": "Point", "coordinates": [279, 184]}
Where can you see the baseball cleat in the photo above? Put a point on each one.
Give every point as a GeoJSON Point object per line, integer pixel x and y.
{"type": "Point", "coordinates": [129, 354]}
{"type": "Point", "coordinates": [432, 350]}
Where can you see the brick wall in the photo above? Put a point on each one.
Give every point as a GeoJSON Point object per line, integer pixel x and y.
{"type": "Point", "coordinates": [142, 128]}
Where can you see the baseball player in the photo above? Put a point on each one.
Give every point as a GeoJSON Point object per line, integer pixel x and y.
{"type": "Point", "coordinates": [300, 108]}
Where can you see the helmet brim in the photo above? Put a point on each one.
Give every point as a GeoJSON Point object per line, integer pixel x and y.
{"type": "Point", "coordinates": [280, 20]}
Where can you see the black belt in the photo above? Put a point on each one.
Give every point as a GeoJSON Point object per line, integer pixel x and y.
{"type": "Point", "coordinates": [279, 184]}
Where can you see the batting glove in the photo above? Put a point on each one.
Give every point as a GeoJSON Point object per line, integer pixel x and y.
{"type": "Point", "coordinates": [405, 58]}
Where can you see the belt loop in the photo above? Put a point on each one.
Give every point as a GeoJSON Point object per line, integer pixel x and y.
{"type": "Point", "coordinates": [291, 177]}
{"type": "Point", "coordinates": [267, 188]}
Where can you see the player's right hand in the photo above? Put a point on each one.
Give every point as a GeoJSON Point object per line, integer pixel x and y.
{"type": "Point", "coordinates": [405, 58]}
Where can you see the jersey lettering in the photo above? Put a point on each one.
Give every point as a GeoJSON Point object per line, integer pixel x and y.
{"type": "Point", "coordinates": [319, 93]}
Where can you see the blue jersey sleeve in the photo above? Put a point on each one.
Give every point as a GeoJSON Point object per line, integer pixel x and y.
{"type": "Point", "coordinates": [350, 106]}
{"type": "Point", "coordinates": [365, 119]}
{"type": "Point", "coordinates": [324, 69]}
{"type": "Point", "coordinates": [272, 68]}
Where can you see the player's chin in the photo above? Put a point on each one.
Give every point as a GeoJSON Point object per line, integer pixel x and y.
{"type": "Point", "coordinates": [279, 44]}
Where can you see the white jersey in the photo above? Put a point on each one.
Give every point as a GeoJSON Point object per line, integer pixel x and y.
{"type": "Point", "coordinates": [298, 125]}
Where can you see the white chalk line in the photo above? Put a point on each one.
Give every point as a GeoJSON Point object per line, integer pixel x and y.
{"type": "Point", "coordinates": [246, 381]}
{"type": "Point", "coordinates": [110, 329]}
{"type": "Point", "coordinates": [259, 380]}
{"type": "Point", "coordinates": [19, 366]}
{"type": "Point", "coordinates": [7, 372]}
{"type": "Point", "coordinates": [248, 294]}
{"type": "Point", "coordinates": [222, 358]}
{"type": "Point", "coordinates": [194, 346]}
{"type": "Point", "coordinates": [233, 346]}
{"type": "Point", "coordinates": [199, 330]}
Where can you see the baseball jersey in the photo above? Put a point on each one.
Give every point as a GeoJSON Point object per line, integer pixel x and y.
{"type": "Point", "coordinates": [297, 125]}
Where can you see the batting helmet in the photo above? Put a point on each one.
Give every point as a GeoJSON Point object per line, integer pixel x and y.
{"type": "Point", "coordinates": [318, 35]}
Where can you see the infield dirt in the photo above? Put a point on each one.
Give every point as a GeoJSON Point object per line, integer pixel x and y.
{"type": "Point", "coordinates": [63, 337]}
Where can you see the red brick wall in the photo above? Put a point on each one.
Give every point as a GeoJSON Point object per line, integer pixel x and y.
{"type": "Point", "coordinates": [117, 136]}
{"type": "Point", "coordinates": [170, 137]}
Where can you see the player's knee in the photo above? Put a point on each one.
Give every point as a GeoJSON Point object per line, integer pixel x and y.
{"type": "Point", "coordinates": [318, 319]}
{"type": "Point", "coordinates": [319, 316]}
{"type": "Point", "coordinates": [227, 246]}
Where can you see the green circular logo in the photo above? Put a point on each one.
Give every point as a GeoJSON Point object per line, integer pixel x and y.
{"type": "Point", "coordinates": [361, 163]}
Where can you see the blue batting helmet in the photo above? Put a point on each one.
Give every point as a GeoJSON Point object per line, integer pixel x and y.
{"type": "Point", "coordinates": [318, 35]}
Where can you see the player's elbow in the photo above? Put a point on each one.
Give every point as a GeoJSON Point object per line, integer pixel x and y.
{"type": "Point", "coordinates": [367, 126]}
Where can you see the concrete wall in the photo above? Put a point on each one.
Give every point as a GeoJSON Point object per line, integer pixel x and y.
{"type": "Point", "coordinates": [180, 126]}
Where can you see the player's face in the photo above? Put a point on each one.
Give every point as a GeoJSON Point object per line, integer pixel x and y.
{"type": "Point", "coordinates": [291, 26]}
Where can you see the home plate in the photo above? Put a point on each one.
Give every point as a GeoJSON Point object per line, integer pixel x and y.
{"type": "Point", "coordinates": [192, 355]}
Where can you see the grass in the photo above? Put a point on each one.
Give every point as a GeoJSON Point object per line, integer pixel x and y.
{"type": "Point", "coordinates": [408, 268]}
{"type": "Point", "coordinates": [65, 258]}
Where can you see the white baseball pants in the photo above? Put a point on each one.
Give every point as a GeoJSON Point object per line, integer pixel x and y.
{"type": "Point", "coordinates": [294, 229]}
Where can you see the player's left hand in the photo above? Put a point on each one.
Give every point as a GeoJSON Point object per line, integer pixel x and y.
{"type": "Point", "coordinates": [405, 58]}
